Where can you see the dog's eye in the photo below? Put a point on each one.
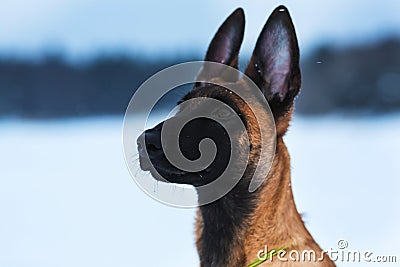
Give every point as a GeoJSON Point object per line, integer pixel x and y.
{"type": "Point", "coordinates": [223, 113]}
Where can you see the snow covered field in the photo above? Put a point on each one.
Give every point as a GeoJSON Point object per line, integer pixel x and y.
{"type": "Point", "coordinates": [66, 197]}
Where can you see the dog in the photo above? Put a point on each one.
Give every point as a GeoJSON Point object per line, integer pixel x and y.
{"type": "Point", "coordinates": [232, 230]}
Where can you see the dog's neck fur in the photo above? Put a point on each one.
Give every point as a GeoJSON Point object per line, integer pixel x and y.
{"type": "Point", "coordinates": [233, 229]}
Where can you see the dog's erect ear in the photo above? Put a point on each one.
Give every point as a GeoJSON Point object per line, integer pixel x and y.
{"type": "Point", "coordinates": [224, 47]}
{"type": "Point", "coordinates": [274, 65]}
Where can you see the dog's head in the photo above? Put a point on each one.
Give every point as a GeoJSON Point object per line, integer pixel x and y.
{"type": "Point", "coordinates": [274, 68]}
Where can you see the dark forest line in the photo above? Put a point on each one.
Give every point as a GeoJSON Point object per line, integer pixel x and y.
{"type": "Point", "coordinates": [357, 79]}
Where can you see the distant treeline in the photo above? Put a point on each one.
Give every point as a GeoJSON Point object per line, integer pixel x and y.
{"type": "Point", "coordinates": [358, 79]}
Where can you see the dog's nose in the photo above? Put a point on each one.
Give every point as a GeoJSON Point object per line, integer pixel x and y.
{"type": "Point", "coordinates": [151, 140]}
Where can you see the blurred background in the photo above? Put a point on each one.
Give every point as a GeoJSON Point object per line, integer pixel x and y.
{"type": "Point", "coordinates": [69, 68]}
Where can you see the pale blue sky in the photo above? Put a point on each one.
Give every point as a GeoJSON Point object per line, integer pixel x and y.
{"type": "Point", "coordinates": [151, 27]}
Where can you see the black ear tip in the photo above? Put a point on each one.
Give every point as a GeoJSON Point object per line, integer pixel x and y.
{"type": "Point", "coordinates": [238, 14]}
{"type": "Point", "coordinates": [281, 15]}
{"type": "Point", "coordinates": [281, 12]}
{"type": "Point", "coordinates": [235, 22]}
{"type": "Point", "coordinates": [281, 9]}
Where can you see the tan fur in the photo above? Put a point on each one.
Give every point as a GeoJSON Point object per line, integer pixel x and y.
{"type": "Point", "coordinates": [275, 222]}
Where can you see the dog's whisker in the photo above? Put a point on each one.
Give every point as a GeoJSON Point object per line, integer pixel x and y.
{"type": "Point", "coordinates": [137, 171]}
{"type": "Point", "coordinates": [155, 186]}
